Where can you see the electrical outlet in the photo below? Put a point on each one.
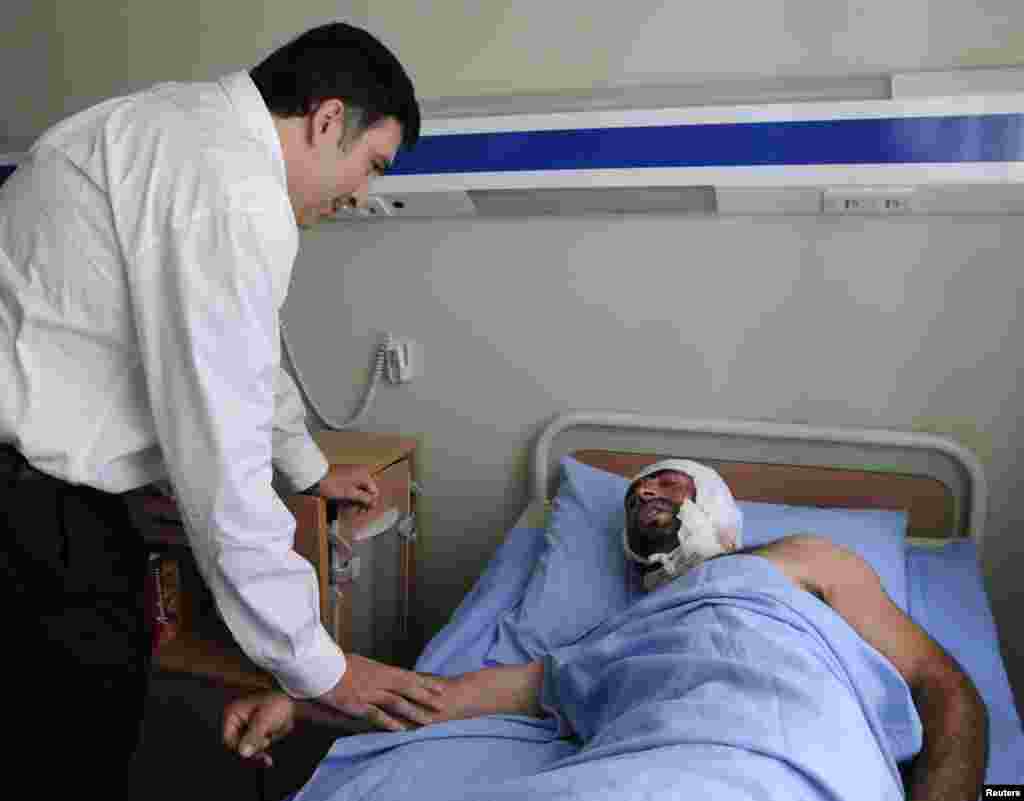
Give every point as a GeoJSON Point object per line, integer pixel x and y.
{"type": "Point", "coordinates": [375, 207]}
{"type": "Point", "coordinates": [878, 200]}
{"type": "Point", "coordinates": [403, 361]}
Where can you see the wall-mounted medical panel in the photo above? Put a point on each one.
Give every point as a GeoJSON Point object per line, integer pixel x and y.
{"type": "Point", "coordinates": [919, 141]}
{"type": "Point", "coordinates": [787, 158]}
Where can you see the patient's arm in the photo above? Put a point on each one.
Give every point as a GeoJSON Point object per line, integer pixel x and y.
{"type": "Point", "coordinates": [951, 764]}
{"type": "Point", "coordinates": [253, 723]}
{"type": "Point", "coordinates": [508, 689]}
{"type": "Point", "coordinates": [503, 690]}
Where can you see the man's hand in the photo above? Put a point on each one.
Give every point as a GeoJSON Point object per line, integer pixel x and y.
{"type": "Point", "coordinates": [350, 484]}
{"type": "Point", "coordinates": [388, 697]}
{"type": "Point", "coordinates": [252, 723]}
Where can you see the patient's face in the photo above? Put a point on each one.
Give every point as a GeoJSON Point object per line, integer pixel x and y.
{"type": "Point", "coordinates": [652, 504]}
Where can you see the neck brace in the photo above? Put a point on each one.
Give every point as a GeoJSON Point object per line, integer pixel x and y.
{"type": "Point", "coordinates": [709, 525]}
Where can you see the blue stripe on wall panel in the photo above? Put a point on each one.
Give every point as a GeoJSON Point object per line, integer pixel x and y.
{"type": "Point", "coordinates": [5, 170]}
{"type": "Point", "coordinates": [910, 140]}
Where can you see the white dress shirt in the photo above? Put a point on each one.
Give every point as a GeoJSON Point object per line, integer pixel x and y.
{"type": "Point", "coordinates": [146, 246]}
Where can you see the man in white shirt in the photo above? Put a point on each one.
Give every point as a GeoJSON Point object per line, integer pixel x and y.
{"type": "Point", "coordinates": [146, 246]}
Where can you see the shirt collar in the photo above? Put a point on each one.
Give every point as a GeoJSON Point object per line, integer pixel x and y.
{"type": "Point", "coordinates": [255, 116]}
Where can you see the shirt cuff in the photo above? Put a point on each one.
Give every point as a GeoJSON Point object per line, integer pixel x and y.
{"type": "Point", "coordinates": [301, 463]}
{"type": "Point", "coordinates": [321, 669]}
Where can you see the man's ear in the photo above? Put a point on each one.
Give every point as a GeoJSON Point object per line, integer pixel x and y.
{"type": "Point", "coordinates": [327, 121]}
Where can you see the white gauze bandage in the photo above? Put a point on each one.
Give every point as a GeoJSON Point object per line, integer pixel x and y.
{"type": "Point", "coordinates": [710, 525]}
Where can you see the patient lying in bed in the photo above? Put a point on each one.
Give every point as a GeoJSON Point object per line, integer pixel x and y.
{"type": "Point", "coordinates": [779, 671]}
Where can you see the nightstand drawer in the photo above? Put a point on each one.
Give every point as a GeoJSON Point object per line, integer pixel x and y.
{"type": "Point", "coordinates": [370, 571]}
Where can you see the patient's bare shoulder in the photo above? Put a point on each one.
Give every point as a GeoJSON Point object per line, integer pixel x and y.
{"type": "Point", "coordinates": [808, 560]}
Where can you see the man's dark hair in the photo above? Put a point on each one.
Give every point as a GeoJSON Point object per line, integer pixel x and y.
{"type": "Point", "coordinates": [342, 61]}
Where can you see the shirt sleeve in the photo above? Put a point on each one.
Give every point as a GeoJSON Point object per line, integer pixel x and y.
{"type": "Point", "coordinates": [296, 455]}
{"type": "Point", "coordinates": [204, 298]}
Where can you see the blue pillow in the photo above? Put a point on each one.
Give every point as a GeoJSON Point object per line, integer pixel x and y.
{"type": "Point", "coordinates": [877, 535]}
{"type": "Point", "coordinates": [582, 577]}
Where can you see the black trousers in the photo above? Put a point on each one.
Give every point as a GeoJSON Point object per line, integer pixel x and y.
{"type": "Point", "coordinates": [76, 639]}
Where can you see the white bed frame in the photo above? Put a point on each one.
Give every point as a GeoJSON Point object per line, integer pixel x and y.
{"type": "Point", "coordinates": [873, 450]}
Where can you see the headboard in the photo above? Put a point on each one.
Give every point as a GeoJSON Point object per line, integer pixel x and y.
{"type": "Point", "coordinates": [939, 483]}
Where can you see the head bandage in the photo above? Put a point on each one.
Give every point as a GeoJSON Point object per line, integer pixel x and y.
{"type": "Point", "coordinates": [710, 525]}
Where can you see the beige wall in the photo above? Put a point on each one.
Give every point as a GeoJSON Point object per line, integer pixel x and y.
{"type": "Point", "coordinates": [492, 47]}
{"type": "Point", "coordinates": [67, 55]}
{"type": "Point", "coordinates": [898, 323]}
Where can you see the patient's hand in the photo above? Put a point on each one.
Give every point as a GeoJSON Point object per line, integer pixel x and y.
{"type": "Point", "coordinates": [508, 689]}
{"type": "Point", "coordinates": [252, 723]}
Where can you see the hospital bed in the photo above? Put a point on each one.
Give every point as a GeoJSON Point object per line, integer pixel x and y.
{"type": "Point", "coordinates": [913, 505]}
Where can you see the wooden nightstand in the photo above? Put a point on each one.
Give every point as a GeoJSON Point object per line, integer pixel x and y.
{"type": "Point", "coordinates": [365, 570]}
{"type": "Point", "coordinates": [371, 555]}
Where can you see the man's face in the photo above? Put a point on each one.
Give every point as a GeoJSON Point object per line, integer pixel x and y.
{"type": "Point", "coordinates": [338, 169]}
{"type": "Point", "coordinates": [652, 504]}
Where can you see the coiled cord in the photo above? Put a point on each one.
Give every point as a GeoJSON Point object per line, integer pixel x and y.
{"type": "Point", "coordinates": [376, 374]}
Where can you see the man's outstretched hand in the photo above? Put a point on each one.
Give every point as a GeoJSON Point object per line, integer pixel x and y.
{"type": "Point", "coordinates": [369, 692]}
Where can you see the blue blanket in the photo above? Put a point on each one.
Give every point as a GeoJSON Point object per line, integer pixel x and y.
{"type": "Point", "coordinates": [727, 683]}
